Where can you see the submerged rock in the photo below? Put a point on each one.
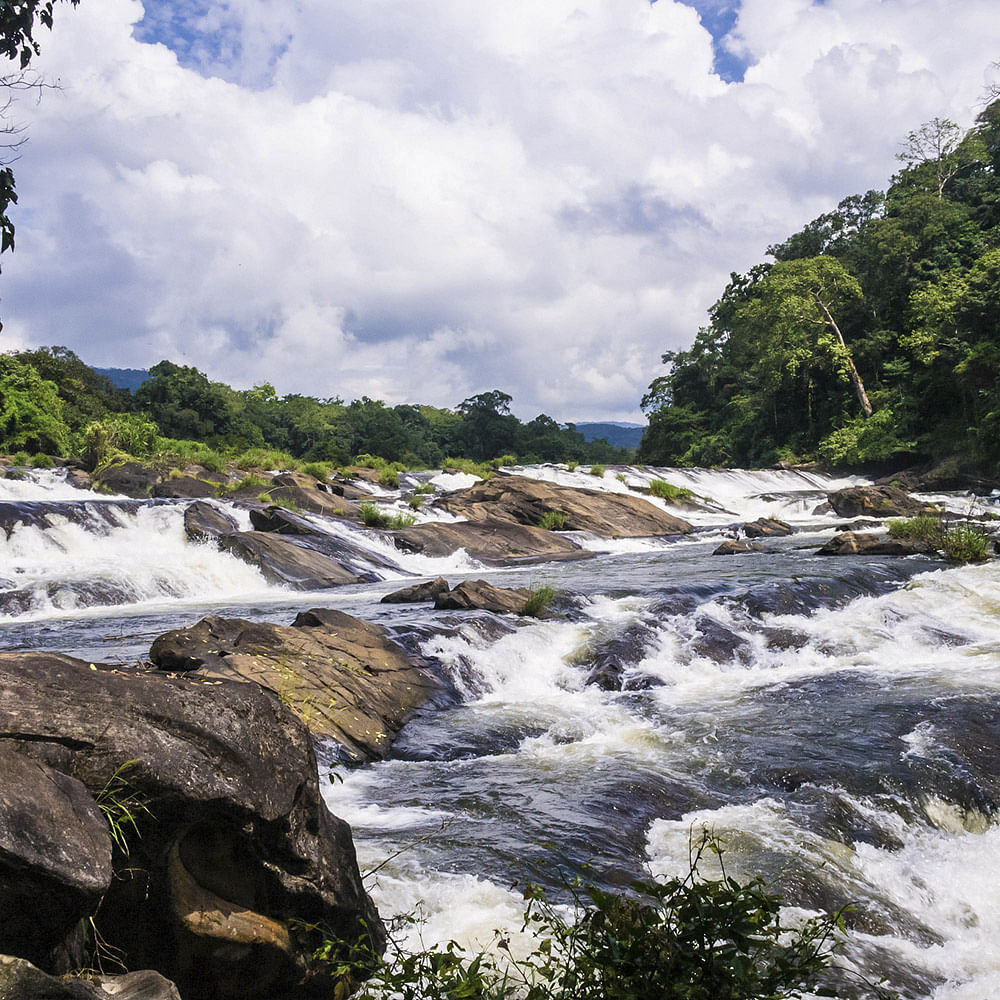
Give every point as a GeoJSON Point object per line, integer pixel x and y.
{"type": "Point", "coordinates": [283, 560]}
{"type": "Point", "coordinates": [232, 843]}
{"type": "Point", "coordinates": [735, 546]}
{"type": "Point", "coordinates": [344, 677]}
{"type": "Point", "coordinates": [521, 500]}
{"type": "Point", "coordinates": [767, 527]}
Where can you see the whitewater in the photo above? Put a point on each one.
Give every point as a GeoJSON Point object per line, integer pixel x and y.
{"type": "Point", "coordinates": [834, 721]}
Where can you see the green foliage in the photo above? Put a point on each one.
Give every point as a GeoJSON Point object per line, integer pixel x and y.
{"type": "Point", "coordinates": [571, 466]}
{"type": "Point", "coordinates": [686, 938]}
{"type": "Point", "coordinates": [416, 502]}
{"type": "Point", "coordinates": [42, 461]}
{"type": "Point", "coordinates": [118, 436]}
{"type": "Point", "coordinates": [892, 297]}
{"type": "Point", "coordinates": [373, 517]}
{"type": "Point", "coordinates": [961, 543]}
{"type": "Point", "coordinates": [250, 481]}
{"type": "Point", "coordinates": [503, 460]}
{"type": "Point", "coordinates": [667, 491]}
{"type": "Point", "coordinates": [597, 470]}
{"type": "Point", "coordinates": [389, 479]}
{"type": "Point", "coordinates": [31, 411]}
{"type": "Point", "coordinates": [123, 805]}
{"type": "Point", "coordinates": [265, 458]}
{"type": "Point", "coordinates": [318, 470]}
{"type": "Point", "coordinates": [539, 600]}
{"type": "Point", "coordinates": [553, 520]}
{"type": "Point", "coordinates": [174, 450]}
{"type": "Point", "coordinates": [424, 488]}
{"type": "Point", "coordinates": [286, 502]}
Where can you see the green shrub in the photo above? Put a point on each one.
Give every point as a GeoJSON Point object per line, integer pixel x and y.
{"type": "Point", "coordinates": [424, 488]}
{"type": "Point", "coordinates": [539, 601]}
{"type": "Point", "coordinates": [924, 528]}
{"type": "Point", "coordinates": [480, 469]}
{"type": "Point", "coordinates": [265, 458]}
{"type": "Point", "coordinates": [372, 517]}
{"type": "Point", "coordinates": [667, 491]}
{"type": "Point", "coordinates": [686, 938]}
{"type": "Point", "coordinates": [186, 452]}
{"type": "Point", "coordinates": [41, 461]}
{"type": "Point", "coordinates": [967, 544]}
{"type": "Point", "coordinates": [498, 463]}
{"type": "Point", "coordinates": [248, 482]}
{"type": "Point", "coordinates": [286, 502]}
{"type": "Point", "coordinates": [20, 458]}
{"type": "Point", "coordinates": [597, 470]}
{"type": "Point", "coordinates": [318, 470]}
{"type": "Point", "coordinates": [553, 520]}
{"type": "Point", "coordinates": [389, 479]}
{"type": "Point", "coordinates": [416, 502]}
{"type": "Point", "coordinates": [572, 466]}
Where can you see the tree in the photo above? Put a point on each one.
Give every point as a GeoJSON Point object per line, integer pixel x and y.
{"type": "Point", "coordinates": [940, 145]}
{"type": "Point", "coordinates": [17, 43]}
{"type": "Point", "coordinates": [31, 412]}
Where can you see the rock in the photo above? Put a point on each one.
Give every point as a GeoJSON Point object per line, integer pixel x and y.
{"type": "Point", "coordinates": [418, 593]}
{"type": "Point", "coordinates": [846, 543]}
{"type": "Point", "coordinates": [876, 501]}
{"type": "Point", "coordinates": [79, 479]}
{"type": "Point", "coordinates": [858, 524]}
{"type": "Point", "coordinates": [20, 980]}
{"type": "Point", "coordinates": [735, 546]}
{"type": "Point", "coordinates": [498, 543]}
{"type": "Point", "coordinates": [205, 523]}
{"type": "Point", "coordinates": [471, 595]}
{"type": "Point", "coordinates": [520, 500]}
{"type": "Point", "coordinates": [234, 842]}
{"type": "Point", "coordinates": [609, 659]}
{"type": "Point", "coordinates": [133, 479]}
{"type": "Point", "coordinates": [180, 487]}
{"type": "Point", "coordinates": [55, 858]}
{"type": "Point", "coordinates": [280, 521]}
{"type": "Point", "coordinates": [767, 527]}
{"type": "Point", "coordinates": [345, 678]}
{"type": "Point", "coordinates": [304, 492]}
{"type": "Point", "coordinates": [286, 561]}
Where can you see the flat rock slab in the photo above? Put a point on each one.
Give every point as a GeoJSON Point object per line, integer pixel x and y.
{"type": "Point", "coordinates": [498, 543]}
{"type": "Point", "coordinates": [344, 678]}
{"type": "Point", "coordinates": [521, 500]}
{"type": "Point", "coordinates": [283, 560]}
{"type": "Point", "coordinates": [851, 543]}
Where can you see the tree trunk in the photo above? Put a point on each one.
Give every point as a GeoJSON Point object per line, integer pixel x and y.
{"type": "Point", "coordinates": [859, 386]}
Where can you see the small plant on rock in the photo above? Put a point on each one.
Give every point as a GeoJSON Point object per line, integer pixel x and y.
{"type": "Point", "coordinates": [553, 520]}
{"type": "Point", "coordinates": [667, 491]}
{"type": "Point", "coordinates": [539, 601]}
{"type": "Point", "coordinates": [122, 804]}
{"type": "Point", "coordinates": [597, 470]}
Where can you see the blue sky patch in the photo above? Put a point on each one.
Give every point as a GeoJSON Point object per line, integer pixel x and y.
{"type": "Point", "coordinates": [719, 18]}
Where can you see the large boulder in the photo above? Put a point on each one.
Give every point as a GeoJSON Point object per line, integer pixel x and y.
{"type": "Point", "coordinates": [521, 500]}
{"type": "Point", "coordinates": [287, 561]}
{"type": "Point", "coordinates": [204, 522]}
{"type": "Point", "coordinates": [498, 543]}
{"type": "Point", "coordinates": [182, 487]}
{"type": "Point", "coordinates": [767, 527]}
{"type": "Point", "coordinates": [345, 678]}
{"type": "Point", "coordinates": [306, 493]}
{"type": "Point", "coordinates": [852, 543]}
{"type": "Point", "coordinates": [418, 593]}
{"type": "Point", "coordinates": [876, 501]}
{"type": "Point", "coordinates": [55, 858]}
{"type": "Point", "coordinates": [20, 980]}
{"type": "Point", "coordinates": [132, 479]}
{"type": "Point", "coordinates": [233, 851]}
{"type": "Point", "coordinates": [472, 595]}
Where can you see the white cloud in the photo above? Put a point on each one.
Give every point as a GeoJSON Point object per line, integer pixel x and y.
{"type": "Point", "coordinates": [417, 201]}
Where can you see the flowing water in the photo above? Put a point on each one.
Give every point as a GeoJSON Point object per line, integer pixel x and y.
{"type": "Point", "coordinates": [835, 721]}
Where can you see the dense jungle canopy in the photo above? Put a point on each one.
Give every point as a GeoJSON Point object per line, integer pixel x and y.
{"type": "Point", "coordinates": [872, 338]}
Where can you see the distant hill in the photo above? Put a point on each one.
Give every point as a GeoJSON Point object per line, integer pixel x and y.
{"type": "Point", "coordinates": [620, 435]}
{"type": "Point", "coordinates": [125, 378]}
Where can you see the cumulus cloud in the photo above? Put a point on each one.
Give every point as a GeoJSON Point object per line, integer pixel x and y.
{"type": "Point", "coordinates": [419, 201]}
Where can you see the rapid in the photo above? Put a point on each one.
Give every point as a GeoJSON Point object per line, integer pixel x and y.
{"type": "Point", "coordinates": [835, 721]}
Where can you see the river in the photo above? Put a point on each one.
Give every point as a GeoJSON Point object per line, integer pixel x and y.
{"type": "Point", "coordinates": [835, 721]}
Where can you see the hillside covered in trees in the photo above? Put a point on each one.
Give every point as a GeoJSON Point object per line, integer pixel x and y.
{"type": "Point", "coordinates": [51, 403]}
{"type": "Point", "coordinates": [873, 337]}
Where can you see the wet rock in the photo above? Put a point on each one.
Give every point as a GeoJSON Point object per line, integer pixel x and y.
{"type": "Point", "coordinates": [876, 501]}
{"type": "Point", "coordinates": [204, 522]}
{"type": "Point", "coordinates": [859, 524]}
{"type": "Point", "coordinates": [181, 487]}
{"type": "Point", "coordinates": [767, 527]}
{"type": "Point", "coordinates": [418, 593]}
{"type": "Point", "coordinates": [20, 980]}
{"type": "Point", "coordinates": [850, 543]}
{"type": "Point", "coordinates": [280, 521]}
{"type": "Point", "coordinates": [498, 543]}
{"type": "Point", "coordinates": [79, 479]}
{"type": "Point", "coordinates": [305, 493]}
{"type": "Point", "coordinates": [478, 595]}
{"type": "Point", "coordinates": [55, 858]}
{"type": "Point", "coordinates": [609, 659]}
{"type": "Point", "coordinates": [718, 642]}
{"type": "Point", "coordinates": [345, 678]}
{"type": "Point", "coordinates": [520, 500]}
{"type": "Point", "coordinates": [286, 561]}
{"type": "Point", "coordinates": [735, 546]}
{"type": "Point", "coordinates": [231, 817]}
{"type": "Point", "coordinates": [133, 479]}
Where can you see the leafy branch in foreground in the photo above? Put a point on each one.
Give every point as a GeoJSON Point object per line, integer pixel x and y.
{"type": "Point", "coordinates": [686, 938]}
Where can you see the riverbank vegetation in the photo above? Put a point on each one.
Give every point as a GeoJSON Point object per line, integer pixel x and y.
{"type": "Point", "coordinates": [871, 339]}
{"type": "Point", "coordinates": [51, 403]}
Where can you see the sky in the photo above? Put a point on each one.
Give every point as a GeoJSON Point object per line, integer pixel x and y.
{"type": "Point", "coordinates": [419, 201]}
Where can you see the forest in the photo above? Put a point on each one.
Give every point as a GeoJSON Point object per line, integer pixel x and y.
{"type": "Point", "coordinates": [53, 404]}
{"type": "Point", "coordinates": [871, 340]}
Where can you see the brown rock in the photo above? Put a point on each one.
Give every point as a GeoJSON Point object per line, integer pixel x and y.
{"type": "Point", "coordinates": [767, 527]}
{"type": "Point", "coordinates": [876, 501]}
{"type": "Point", "coordinates": [342, 676]}
{"type": "Point", "coordinates": [520, 500]}
{"type": "Point", "coordinates": [286, 561]}
{"type": "Point", "coordinates": [733, 546]}
{"type": "Point", "coordinates": [499, 543]}
{"type": "Point", "coordinates": [418, 593]}
{"type": "Point", "coordinates": [205, 523]}
{"type": "Point", "coordinates": [478, 595]}
{"type": "Point", "coordinates": [846, 543]}
{"type": "Point", "coordinates": [179, 487]}
{"type": "Point", "coordinates": [132, 479]}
